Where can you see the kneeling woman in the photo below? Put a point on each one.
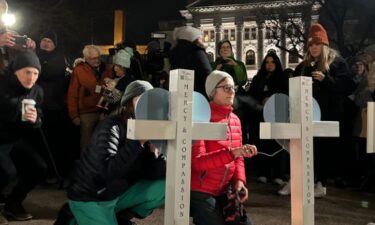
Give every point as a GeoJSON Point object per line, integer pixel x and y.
{"type": "Point", "coordinates": [115, 173]}
{"type": "Point", "coordinates": [215, 164]}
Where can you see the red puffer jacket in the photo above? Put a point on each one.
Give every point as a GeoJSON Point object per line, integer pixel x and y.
{"type": "Point", "coordinates": [213, 165]}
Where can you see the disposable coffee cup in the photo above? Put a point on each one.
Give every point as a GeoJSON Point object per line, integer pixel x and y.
{"type": "Point", "coordinates": [27, 104]}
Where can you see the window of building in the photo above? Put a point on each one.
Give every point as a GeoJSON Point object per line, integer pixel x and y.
{"type": "Point", "coordinates": [205, 36]}
{"type": "Point", "coordinates": [212, 35]}
{"type": "Point", "coordinates": [226, 34]}
{"type": "Point", "coordinates": [246, 34]}
{"type": "Point", "coordinates": [208, 35]}
{"type": "Point", "coordinates": [232, 35]}
{"type": "Point", "coordinates": [253, 33]}
{"type": "Point", "coordinates": [250, 57]}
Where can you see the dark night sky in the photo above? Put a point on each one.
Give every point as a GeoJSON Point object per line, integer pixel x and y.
{"type": "Point", "coordinates": [143, 15]}
{"type": "Point", "coordinates": [80, 22]}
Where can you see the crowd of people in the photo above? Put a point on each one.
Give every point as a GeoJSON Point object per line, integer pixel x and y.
{"type": "Point", "coordinates": [79, 116]}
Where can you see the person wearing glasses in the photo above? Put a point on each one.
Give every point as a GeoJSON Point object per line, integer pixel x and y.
{"type": "Point", "coordinates": [227, 63]}
{"type": "Point", "coordinates": [218, 164]}
{"type": "Point", "coordinates": [85, 91]}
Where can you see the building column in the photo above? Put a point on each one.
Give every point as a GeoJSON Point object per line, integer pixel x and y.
{"type": "Point", "coordinates": [239, 28]}
{"type": "Point", "coordinates": [217, 33]}
{"type": "Point", "coordinates": [260, 54]}
{"type": "Point", "coordinates": [283, 44]}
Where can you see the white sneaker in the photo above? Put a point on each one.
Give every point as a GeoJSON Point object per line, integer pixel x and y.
{"type": "Point", "coordinates": [319, 190]}
{"type": "Point", "coordinates": [371, 224]}
{"type": "Point", "coordinates": [285, 190]}
{"type": "Point", "coordinates": [262, 179]}
{"type": "Point", "coordinates": [278, 181]}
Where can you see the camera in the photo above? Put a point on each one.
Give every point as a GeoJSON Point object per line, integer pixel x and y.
{"type": "Point", "coordinates": [20, 40]}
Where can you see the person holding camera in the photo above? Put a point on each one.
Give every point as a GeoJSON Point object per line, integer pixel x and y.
{"type": "Point", "coordinates": [21, 167]}
{"type": "Point", "coordinates": [117, 176]}
{"type": "Point", "coordinates": [10, 41]}
{"type": "Point", "coordinates": [216, 165]}
{"type": "Point", "coordinates": [332, 83]}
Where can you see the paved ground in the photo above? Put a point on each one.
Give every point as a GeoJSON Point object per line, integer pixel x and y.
{"type": "Point", "coordinates": [340, 207]}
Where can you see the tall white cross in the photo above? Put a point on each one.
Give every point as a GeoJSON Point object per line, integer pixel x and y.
{"type": "Point", "coordinates": [371, 127]}
{"type": "Point", "coordinates": [179, 130]}
{"type": "Point", "coordinates": [301, 131]}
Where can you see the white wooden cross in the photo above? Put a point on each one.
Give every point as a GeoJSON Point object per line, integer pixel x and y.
{"type": "Point", "coordinates": [301, 131]}
{"type": "Point", "coordinates": [371, 127]}
{"type": "Point", "coordinates": [179, 130]}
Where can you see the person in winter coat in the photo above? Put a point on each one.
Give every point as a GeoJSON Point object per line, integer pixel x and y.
{"type": "Point", "coordinates": [54, 82]}
{"type": "Point", "coordinates": [123, 76]}
{"type": "Point", "coordinates": [8, 45]}
{"type": "Point", "coordinates": [332, 83]}
{"type": "Point", "coordinates": [227, 63]}
{"type": "Point", "coordinates": [21, 167]}
{"type": "Point", "coordinates": [269, 80]}
{"type": "Point", "coordinates": [115, 173]}
{"type": "Point", "coordinates": [84, 92]}
{"type": "Point", "coordinates": [189, 53]}
{"type": "Point", "coordinates": [217, 164]}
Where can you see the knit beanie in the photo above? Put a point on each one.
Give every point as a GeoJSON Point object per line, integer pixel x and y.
{"type": "Point", "coordinates": [214, 79]}
{"type": "Point", "coordinates": [317, 35]}
{"type": "Point", "coordinates": [370, 50]}
{"type": "Point", "coordinates": [187, 33]}
{"type": "Point", "coordinates": [134, 89]}
{"type": "Point", "coordinates": [26, 58]}
{"type": "Point", "coordinates": [50, 34]}
{"type": "Point", "coordinates": [122, 58]}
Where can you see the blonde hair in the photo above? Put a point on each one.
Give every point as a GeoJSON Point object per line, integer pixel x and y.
{"type": "Point", "coordinates": [325, 59]}
{"type": "Point", "coordinates": [88, 49]}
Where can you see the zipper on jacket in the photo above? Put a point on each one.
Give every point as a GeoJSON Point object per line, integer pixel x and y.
{"type": "Point", "coordinates": [230, 145]}
{"type": "Point", "coordinates": [201, 177]}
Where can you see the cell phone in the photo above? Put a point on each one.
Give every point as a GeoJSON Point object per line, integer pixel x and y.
{"type": "Point", "coordinates": [20, 40]}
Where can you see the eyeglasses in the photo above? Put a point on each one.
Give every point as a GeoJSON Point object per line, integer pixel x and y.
{"type": "Point", "coordinates": [227, 88]}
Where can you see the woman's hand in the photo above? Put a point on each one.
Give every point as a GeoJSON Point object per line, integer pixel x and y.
{"type": "Point", "coordinates": [154, 150]}
{"type": "Point", "coordinates": [242, 191]}
{"type": "Point", "coordinates": [218, 67]}
{"type": "Point", "coordinates": [245, 151]}
{"type": "Point", "coordinates": [318, 75]}
{"type": "Point", "coordinates": [230, 61]}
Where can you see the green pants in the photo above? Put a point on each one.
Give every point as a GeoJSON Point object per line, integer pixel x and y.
{"type": "Point", "coordinates": [141, 198]}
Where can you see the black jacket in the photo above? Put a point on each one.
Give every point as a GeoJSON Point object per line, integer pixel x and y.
{"type": "Point", "coordinates": [11, 95]}
{"type": "Point", "coordinates": [112, 163]}
{"type": "Point", "coordinates": [52, 79]}
{"type": "Point", "coordinates": [187, 55]}
{"type": "Point", "coordinates": [332, 90]}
